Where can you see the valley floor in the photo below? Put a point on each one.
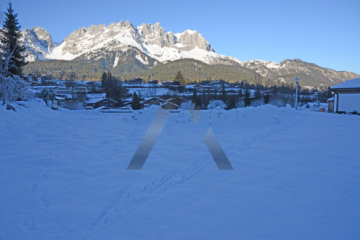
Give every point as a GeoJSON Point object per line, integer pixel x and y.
{"type": "Point", "coordinates": [63, 175]}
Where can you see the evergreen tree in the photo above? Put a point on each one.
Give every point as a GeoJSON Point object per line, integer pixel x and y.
{"type": "Point", "coordinates": [179, 78]}
{"type": "Point", "coordinates": [103, 79]}
{"type": "Point", "coordinates": [11, 39]}
{"type": "Point", "coordinates": [136, 102]}
{"type": "Point", "coordinates": [247, 100]}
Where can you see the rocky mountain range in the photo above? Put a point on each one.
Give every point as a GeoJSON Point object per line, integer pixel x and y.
{"type": "Point", "coordinates": [128, 50]}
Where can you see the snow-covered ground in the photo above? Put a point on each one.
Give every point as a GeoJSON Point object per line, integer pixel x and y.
{"type": "Point", "coordinates": [63, 175]}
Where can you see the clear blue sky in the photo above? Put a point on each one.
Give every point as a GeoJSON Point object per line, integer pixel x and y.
{"type": "Point", "coordinates": [326, 33]}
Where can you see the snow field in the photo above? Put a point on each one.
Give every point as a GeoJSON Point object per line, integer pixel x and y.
{"type": "Point", "coordinates": [63, 175]}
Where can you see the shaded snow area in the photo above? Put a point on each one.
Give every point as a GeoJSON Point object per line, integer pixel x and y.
{"type": "Point", "coordinates": [63, 175]}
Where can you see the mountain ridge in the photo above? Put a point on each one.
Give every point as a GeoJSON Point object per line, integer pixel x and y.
{"type": "Point", "coordinates": [129, 50]}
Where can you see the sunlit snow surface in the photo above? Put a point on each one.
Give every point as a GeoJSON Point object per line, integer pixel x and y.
{"type": "Point", "coordinates": [63, 175]}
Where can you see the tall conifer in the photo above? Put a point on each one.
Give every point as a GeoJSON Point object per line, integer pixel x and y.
{"type": "Point", "coordinates": [11, 39]}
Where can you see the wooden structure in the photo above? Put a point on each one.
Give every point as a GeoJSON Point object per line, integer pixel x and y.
{"type": "Point", "coordinates": [170, 106]}
{"type": "Point", "coordinates": [177, 100]}
{"type": "Point", "coordinates": [101, 102]}
{"type": "Point", "coordinates": [154, 101]}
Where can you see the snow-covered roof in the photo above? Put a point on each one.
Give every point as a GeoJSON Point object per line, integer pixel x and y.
{"type": "Point", "coordinates": [354, 83]}
{"type": "Point", "coordinates": [169, 103]}
{"type": "Point", "coordinates": [95, 100]}
{"type": "Point", "coordinates": [96, 95]}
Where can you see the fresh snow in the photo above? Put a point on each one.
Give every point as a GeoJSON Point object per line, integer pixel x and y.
{"type": "Point", "coordinates": [63, 175]}
{"type": "Point", "coordinates": [57, 53]}
{"type": "Point", "coordinates": [116, 60]}
{"type": "Point", "coordinates": [145, 62]}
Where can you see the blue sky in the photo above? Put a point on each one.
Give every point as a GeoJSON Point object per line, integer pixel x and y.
{"type": "Point", "coordinates": [326, 33]}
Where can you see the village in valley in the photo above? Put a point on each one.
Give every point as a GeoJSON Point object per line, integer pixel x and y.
{"type": "Point", "coordinates": [126, 96]}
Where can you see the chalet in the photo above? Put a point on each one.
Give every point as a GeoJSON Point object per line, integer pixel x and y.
{"type": "Point", "coordinates": [153, 101]}
{"type": "Point", "coordinates": [101, 102]}
{"type": "Point", "coordinates": [177, 100]}
{"type": "Point", "coordinates": [170, 106]}
{"type": "Point", "coordinates": [347, 96]}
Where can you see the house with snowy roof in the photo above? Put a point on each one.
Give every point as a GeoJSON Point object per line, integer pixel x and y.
{"type": "Point", "coordinates": [347, 97]}
{"type": "Point", "coordinates": [153, 101]}
{"type": "Point", "coordinates": [173, 103]}
{"type": "Point", "coordinates": [97, 100]}
{"type": "Point", "coordinates": [177, 100]}
{"type": "Point", "coordinates": [170, 106]}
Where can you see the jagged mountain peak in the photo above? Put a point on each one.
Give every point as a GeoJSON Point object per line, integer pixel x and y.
{"type": "Point", "coordinates": [38, 43]}
{"type": "Point", "coordinates": [149, 45]}
{"type": "Point", "coordinates": [152, 40]}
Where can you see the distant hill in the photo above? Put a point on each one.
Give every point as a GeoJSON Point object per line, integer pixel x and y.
{"type": "Point", "coordinates": [192, 70]}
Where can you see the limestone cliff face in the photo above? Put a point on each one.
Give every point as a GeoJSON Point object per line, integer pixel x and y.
{"type": "Point", "coordinates": [152, 40]}
{"type": "Point", "coordinates": [38, 43]}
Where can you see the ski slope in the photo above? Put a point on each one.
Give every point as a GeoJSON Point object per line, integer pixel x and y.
{"type": "Point", "coordinates": [63, 175]}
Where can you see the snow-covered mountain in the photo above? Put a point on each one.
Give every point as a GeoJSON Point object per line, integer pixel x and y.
{"type": "Point", "coordinates": [38, 43]}
{"type": "Point", "coordinates": [151, 40]}
{"type": "Point", "coordinates": [128, 49]}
